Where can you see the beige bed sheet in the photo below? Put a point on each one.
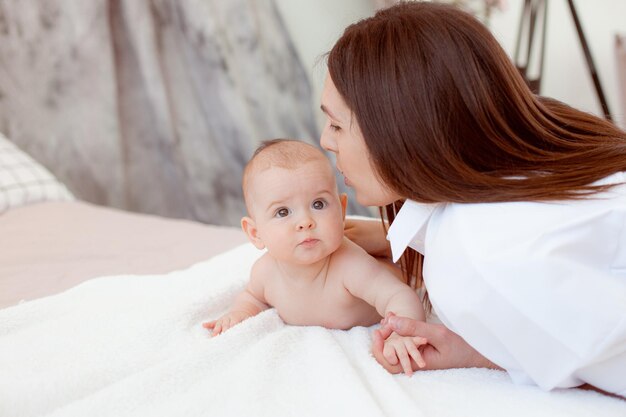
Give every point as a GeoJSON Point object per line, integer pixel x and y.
{"type": "Point", "coordinates": [49, 247]}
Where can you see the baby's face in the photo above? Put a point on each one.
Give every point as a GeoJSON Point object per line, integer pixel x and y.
{"type": "Point", "coordinates": [297, 212]}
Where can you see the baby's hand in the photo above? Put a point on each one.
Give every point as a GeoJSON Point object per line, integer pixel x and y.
{"type": "Point", "coordinates": [225, 322]}
{"type": "Point", "coordinates": [401, 349]}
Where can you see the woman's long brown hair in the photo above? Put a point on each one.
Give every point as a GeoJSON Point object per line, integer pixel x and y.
{"type": "Point", "coordinates": [446, 116]}
{"type": "Point", "coordinates": [411, 262]}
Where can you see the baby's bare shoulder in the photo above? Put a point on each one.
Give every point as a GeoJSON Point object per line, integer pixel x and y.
{"type": "Point", "coordinates": [354, 263]}
{"type": "Point", "coordinates": [263, 268]}
{"type": "Point", "coordinates": [352, 257]}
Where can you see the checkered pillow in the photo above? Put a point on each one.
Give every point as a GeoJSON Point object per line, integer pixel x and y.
{"type": "Point", "coordinates": [24, 181]}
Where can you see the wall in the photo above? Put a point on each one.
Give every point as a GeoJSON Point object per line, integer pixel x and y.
{"type": "Point", "coordinates": [314, 25]}
{"type": "Point", "coordinates": [565, 74]}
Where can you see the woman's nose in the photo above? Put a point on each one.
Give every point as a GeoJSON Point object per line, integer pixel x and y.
{"type": "Point", "coordinates": [327, 141]}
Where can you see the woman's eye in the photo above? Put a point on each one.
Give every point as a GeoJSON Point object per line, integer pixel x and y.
{"type": "Point", "coordinates": [334, 128]}
{"type": "Point", "coordinates": [282, 212]}
{"type": "Point", "coordinates": [319, 204]}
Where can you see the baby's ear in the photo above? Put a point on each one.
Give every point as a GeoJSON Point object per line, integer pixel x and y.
{"type": "Point", "coordinates": [249, 228]}
{"type": "Point", "coordinates": [343, 197]}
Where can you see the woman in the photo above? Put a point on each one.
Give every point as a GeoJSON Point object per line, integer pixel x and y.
{"type": "Point", "coordinates": [517, 202]}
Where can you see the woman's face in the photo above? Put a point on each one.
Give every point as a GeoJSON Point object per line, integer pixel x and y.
{"type": "Point", "coordinates": [342, 136]}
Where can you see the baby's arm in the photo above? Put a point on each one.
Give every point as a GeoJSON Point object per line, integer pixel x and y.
{"type": "Point", "coordinates": [248, 303]}
{"type": "Point", "coordinates": [368, 279]}
{"type": "Point", "coordinates": [373, 282]}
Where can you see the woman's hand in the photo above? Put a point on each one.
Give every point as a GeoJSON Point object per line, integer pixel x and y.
{"type": "Point", "coordinates": [444, 349]}
{"type": "Point", "coordinates": [368, 234]}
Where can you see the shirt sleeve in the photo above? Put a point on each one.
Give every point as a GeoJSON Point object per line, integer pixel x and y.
{"type": "Point", "coordinates": [538, 289]}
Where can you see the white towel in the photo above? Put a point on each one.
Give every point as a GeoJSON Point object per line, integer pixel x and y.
{"type": "Point", "coordinates": [134, 346]}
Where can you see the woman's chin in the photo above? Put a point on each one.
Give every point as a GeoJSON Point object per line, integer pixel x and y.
{"type": "Point", "coordinates": [371, 201]}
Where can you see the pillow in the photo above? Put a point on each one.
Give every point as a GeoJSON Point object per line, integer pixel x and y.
{"type": "Point", "coordinates": [24, 181]}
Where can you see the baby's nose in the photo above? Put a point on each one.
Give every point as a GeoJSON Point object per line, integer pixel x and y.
{"type": "Point", "coordinates": [306, 223]}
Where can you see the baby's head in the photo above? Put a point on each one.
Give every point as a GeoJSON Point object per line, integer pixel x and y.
{"type": "Point", "coordinates": [294, 207]}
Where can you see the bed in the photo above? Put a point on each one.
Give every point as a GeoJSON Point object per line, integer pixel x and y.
{"type": "Point", "coordinates": [101, 312]}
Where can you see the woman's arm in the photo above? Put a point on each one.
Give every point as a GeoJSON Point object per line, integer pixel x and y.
{"type": "Point", "coordinates": [370, 235]}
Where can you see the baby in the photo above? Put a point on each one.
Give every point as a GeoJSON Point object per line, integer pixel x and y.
{"type": "Point", "coordinates": [311, 273]}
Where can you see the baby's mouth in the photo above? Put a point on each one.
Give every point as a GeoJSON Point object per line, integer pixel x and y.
{"type": "Point", "coordinates": [309, 242]}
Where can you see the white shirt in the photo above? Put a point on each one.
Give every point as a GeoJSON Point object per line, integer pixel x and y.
{"type": "Point", "coordinates": [538, 288]}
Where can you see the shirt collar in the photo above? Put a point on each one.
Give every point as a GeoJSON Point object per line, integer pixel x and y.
{"type": "Point", "coordinates": [409, 226]}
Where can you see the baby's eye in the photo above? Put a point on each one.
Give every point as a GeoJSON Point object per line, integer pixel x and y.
{"type": "Point", "coordinates": [282, 212]}
{"type": "Point", "coordinates": [319, 204]}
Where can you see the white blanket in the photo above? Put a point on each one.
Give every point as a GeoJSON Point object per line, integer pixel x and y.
{"type": "Point", "coordinates": [134, 346]}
